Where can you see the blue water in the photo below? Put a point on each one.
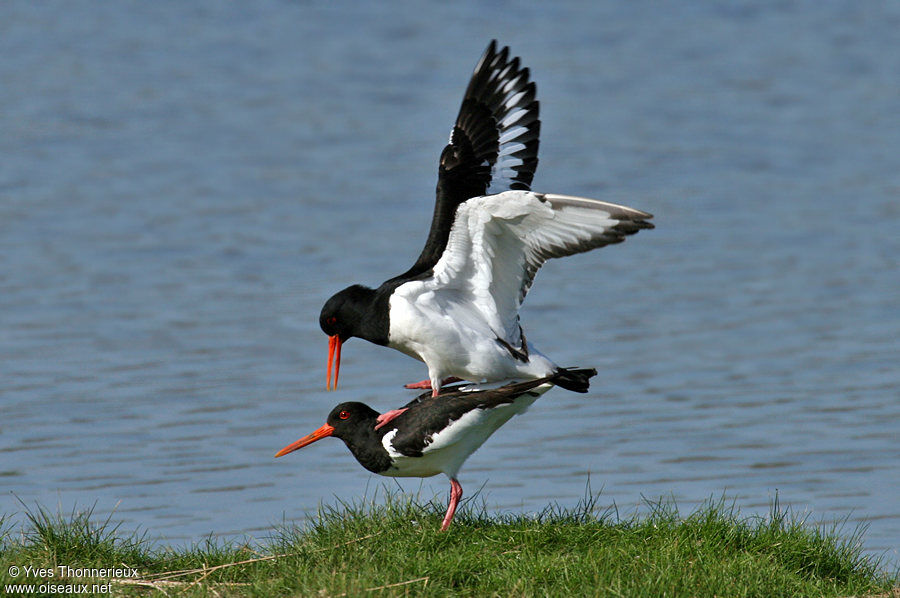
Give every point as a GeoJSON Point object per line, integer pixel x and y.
{"type": "Point", "coordinates": [183, 185]}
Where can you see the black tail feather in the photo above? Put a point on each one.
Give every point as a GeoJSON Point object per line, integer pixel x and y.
{"type": "Point", "coordinates": [576, 380]}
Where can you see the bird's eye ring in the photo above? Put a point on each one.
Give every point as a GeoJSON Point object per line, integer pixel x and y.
{"type": "Point", "coordinates": [331, 321]}
{"type": "Point", "coordinates": [344, 415]}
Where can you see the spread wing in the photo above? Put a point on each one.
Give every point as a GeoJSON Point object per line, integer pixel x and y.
{"type": "Point", "coordinates": [493, 145]}
{"type": "Point", "coordinates": [498, 243]}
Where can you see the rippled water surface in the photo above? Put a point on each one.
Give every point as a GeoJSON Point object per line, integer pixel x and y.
{"type": "Point", "coordinates": [183, 185]}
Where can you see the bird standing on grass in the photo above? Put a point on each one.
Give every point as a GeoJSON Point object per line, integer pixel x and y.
{"type": "Point", "coordinates": [457, 307]}
{"type": "Point", "coordinates": [433, 434]}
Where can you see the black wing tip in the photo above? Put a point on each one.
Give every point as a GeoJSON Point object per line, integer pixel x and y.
{"type": "Point", "coordinates": [574, 379]}
{"type": "Point", "coordinates": [633, 225]}
{"type": "Point", "coordinates": [491, 56]}
{"type": "Point", "coordinates": [488, 56]}
{"type": "Point", "coordinates": [502, 86]}
{"type": "Point", "coordinates": [499, 99]}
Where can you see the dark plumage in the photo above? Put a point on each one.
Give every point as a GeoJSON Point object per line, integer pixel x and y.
{"type": "Point", "coordinates": [432, 434]}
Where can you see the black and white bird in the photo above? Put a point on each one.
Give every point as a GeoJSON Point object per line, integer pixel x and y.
{"type": "Point", "coordinates": [457, 307]}
{"type": "Point", "coordinates": [433, 434]}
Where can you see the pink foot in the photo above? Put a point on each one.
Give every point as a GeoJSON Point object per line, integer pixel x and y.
{"type": "Point", "coordinates": [387, 416]}
{"type": "Point", "coordinates": [426, 384]}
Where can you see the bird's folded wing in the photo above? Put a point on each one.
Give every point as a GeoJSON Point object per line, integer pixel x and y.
{"type": "Point", "coordinates": [428, 419]}
{"type": "Point", "coordinates": [498, 243]}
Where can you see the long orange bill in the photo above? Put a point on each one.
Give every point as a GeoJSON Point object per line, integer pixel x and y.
{"type": "Point", "coordinates": [334, 357]}
{"type": "Point", "coordinates": [323, 432]}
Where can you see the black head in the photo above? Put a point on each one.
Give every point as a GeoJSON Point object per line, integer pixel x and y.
{"type": "Point", "coordinates": [357, 311]}
{"type": "Point", "coordinates": [354, 423]}
{"type": "Point", "coordinates": [348, 419]}
{"type": "Point", "coordinates": [343, 314]}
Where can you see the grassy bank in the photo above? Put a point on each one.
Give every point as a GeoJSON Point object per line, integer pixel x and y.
{"type": "Point", "coordinates": [394, 549]}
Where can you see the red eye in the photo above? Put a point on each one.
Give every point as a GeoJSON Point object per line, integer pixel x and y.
{"type": "Point", "coordinates": [344, 415]}
{"type": "Point", "coordinates": [331, 321]}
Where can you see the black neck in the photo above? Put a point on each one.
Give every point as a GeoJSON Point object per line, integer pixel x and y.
{"type": "Point", "coordinates": [374, 323]}
{"type": "Point", "coordinates": [361, 312]}
{"type": "Point", "coordinates": [364, 441]}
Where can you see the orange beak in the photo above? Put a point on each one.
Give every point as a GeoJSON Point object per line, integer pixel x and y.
{"type": "Point", "coordinates": [334, 356]}
{"type": "Point", "coordinates": [319, 434]}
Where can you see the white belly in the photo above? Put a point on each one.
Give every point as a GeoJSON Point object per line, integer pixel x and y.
{"type": "Point", "coordinates": [454, 340]}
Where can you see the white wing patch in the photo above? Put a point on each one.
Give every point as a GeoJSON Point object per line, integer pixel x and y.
{"type": "Point", "coordinates": [386, 443]}
{"type": "Point", "coordinates": [498, 243]}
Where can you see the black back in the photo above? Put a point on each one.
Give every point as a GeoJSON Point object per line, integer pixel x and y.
{"type": "Point", "coordinates": [427, 415]}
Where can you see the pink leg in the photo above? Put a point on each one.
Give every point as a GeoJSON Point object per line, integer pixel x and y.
{"type": "Point", "coordinates": [455, 495]}
{"type": "Point", "coordinates": [423, 385]}
{"type": "Point", "coordinates": [426, 384]}
{"type": "Point", "coordinates": [387, 416]}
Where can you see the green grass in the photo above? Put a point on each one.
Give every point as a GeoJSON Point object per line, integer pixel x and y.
{"type": "Point", "coordinates": [393, 548]}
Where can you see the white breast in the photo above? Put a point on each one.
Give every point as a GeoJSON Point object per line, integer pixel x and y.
{"type": "Point", "coordinates": [447, 331]}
